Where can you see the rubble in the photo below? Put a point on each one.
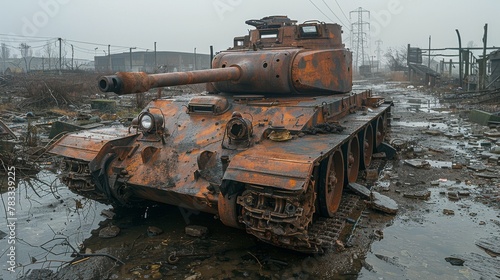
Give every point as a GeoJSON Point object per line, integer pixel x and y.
{"type": "Point", "coordinates": [424, 195]}
{"type": "Point", "coordinates": [109, 231]}
{"type": "Point", "coordinates": [361, 190]}
{"type": "Point", "coordinates": [433, 132]}
{"type": "Point", "coordinates": [487, 267]}
{"type": "Point", "coordinates": [455, 261]}
{"type": "Point", "coordinates": [491, 245]}
{"type": "Point", "coordinates": [108, 214]}
{"type": "Point", "coordinates": [417, 163]}
{"type": "Point", "coordinates": [383, 203]}
{"type": "Point", "coordinates": [495, 150]}
{"type": "Point", "coordinates": [154, 231]}
{"type": "Point", "coordinates": [372, 174]}
{"type": "Point", "coordinates": [488, 175]}
{"type": "Point", "coordinates": [196, 231]}
{"type": "Point", "coordinates": [453, 196]}
{"type": "Point", "coordinates": [448, 212]}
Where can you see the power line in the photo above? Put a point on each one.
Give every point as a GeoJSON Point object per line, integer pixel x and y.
{"type": "Point", "coordinates": [334, 13]}
{"type": "Point", "coordinates": [342, 11]}
{"type": "Point", "coordinates": [317, 8]}
{"type": "Point", "coordinates": [32, 47]}
{"type": "Point", "coordinates": [103, 45]}
{"type": "Point", "coordinates": [18, 40]}
{"type": "Point", "coordinates": [85, 50]}
{"type": "Point", "coordinates": [20, 36]}
{"type": "Point", "coordinates": [33, 39]}
{"type": "Point", "coordinates": [94, 44]}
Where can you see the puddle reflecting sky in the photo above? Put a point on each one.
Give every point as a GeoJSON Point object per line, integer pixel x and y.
{"type": "Point", "coordinates": [419, 245]}
{"type": "Point", "coordinates": [45, 219]}
{"type": "Point", "coordinates": [416, 244]}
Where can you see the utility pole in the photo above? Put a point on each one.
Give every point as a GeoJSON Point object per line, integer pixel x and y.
{"type": "Point", "coordinates": [408, 63]}
{"type": "Point", "coordinates": [131, 57]}
{"type": "Point", "coordinates": [60, 55]}
{"type": "Point", "coordinates": [72, 56]}
{"type": "Point", "coordinates": [371, 64]}
{"type": "Point", "coordinates": [379, 51]}
{"type": "Point", "coordinates": [429, 54]}
{"type": "Point", "coordinates": [156, 65]}
{"type": "Point", "coordinates": [110, 67]}
{"type": "Point", "coordinates": [4, 55]}
{"type": "Point", "coordinates": [211, 55]}
{"type": "Point", "coordinates": [483, 66]}
{"type": "Point", "coordinates": [95, 59]}
{"type": "Point", "coordinates": [194, 58]}
{"type": "Point", "coordinates": [459, 58]}
{"type": "Point", "coordinates": [359, 36]}
{"type": "Point", "coordinates": [49, 50]}
{"type": "Point", "coordinates": [451, 66]}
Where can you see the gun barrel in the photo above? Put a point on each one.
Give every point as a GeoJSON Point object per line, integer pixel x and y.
{"type": "Point", "coordinates": [137, 82]}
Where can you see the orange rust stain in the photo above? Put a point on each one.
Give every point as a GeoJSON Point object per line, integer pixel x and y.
{"type": "Point", "coordinates": [207, 134]}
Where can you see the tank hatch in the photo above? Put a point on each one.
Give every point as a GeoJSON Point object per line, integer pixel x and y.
{"type": "Point", "coordinates": [270, 22]}
{"type": "Point", "coordinates": [215, 105]}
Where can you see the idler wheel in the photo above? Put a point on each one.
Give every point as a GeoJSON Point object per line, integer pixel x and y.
{"type": "Point", "coordinates": [228, 210]}
{"type": "Point", "coordinates": [331, 184]}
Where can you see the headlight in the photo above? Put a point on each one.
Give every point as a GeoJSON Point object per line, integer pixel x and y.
{"type": "Point", "coordinates": [150, 121]}
{"type": "Point", "coordinates": [147, 121]}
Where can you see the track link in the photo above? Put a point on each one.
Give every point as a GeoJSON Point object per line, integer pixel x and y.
{"type": "Point", "coordinates": [326, 231]}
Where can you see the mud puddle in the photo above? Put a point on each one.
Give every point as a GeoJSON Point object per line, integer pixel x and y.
{"type": "Point", "coordinates": [455, 216]}
{"type": "Point", "coordinates": [415, 246]}
{"type": "Point", "coordinates": [223, 253]}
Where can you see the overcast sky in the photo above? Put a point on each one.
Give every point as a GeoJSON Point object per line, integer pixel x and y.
{"type": "Point", "coordinates": [189, 24]}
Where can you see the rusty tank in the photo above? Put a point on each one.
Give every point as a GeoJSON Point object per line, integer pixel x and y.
{"type": "Point", "coordinates": [267, 148]}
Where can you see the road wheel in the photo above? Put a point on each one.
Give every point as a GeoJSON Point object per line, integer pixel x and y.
{"type": "Point", "coordinates": [352, 159]}
{"type": "Point", "coordinates": [381, 130]}
{"type": "Point", "coordinates": [367, 145]}
{"type": "Point", "coordinates": [331, 183]}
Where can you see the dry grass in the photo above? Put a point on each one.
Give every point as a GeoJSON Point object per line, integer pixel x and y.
{"type": "Point", "coordinates": [46, 90]}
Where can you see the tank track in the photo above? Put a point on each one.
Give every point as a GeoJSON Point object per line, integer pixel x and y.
{"type": "Point", "coordinates": [288, 220]}
{"type": "Point", "coordinates": [76, 175]}
{"type": "Point", "coordinates": [327, 230]}
{"type": "Point", "coordinates": [278, 218]}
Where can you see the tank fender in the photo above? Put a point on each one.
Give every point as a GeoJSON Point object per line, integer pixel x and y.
{"type": "Point", "coordinates": [116, 149]}
{"type": "Point", "coordinates": [272, 170]}
{"type": "Point", "coordinates": [100, 176]}
{"type": "Point", "coordinates": [88, 145]}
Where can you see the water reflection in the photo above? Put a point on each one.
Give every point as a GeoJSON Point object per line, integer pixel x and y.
{"type": "Point", "coordinates": [417, 246]}
{"type": "Point", "coordinates": [51, 222]}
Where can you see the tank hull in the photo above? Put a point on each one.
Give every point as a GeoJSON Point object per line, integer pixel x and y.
{"type": "Point", "coordinates": [196, 164]}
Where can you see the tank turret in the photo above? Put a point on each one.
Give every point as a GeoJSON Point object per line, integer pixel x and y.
{"type": "Point", "coordinates": [279, 57]}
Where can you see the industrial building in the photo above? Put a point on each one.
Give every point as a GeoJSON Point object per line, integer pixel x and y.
{"type": "Point", "coordinates": [152, 62]}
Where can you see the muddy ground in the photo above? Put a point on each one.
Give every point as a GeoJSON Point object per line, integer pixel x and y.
{"type": "Point", "coordinates": [445, 183]}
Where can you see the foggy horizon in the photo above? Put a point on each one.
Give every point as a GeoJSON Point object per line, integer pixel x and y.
{"type": "Point", "coordinates": [91, 26]}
